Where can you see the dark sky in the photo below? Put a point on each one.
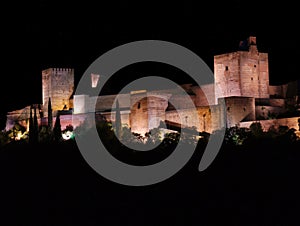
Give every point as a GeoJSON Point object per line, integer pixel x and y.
{"type": "Point", "coordinates": [50, 33]}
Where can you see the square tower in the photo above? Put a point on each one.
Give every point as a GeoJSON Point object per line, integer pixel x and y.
{"type": "Point", "coordinates": [58, 84]}
{"type": "Point", "coordinates": [243, 73]}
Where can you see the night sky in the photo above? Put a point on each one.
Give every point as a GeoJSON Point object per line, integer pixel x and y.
{"type": "Point", "coordinates": [48, 33]}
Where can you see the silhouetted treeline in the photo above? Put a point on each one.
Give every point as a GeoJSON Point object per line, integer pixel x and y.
{"type": "Point", "coordinates": [253, 182]}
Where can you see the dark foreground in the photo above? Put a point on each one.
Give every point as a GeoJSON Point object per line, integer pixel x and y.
{"type": "Point", "coordinates": [53, 185]}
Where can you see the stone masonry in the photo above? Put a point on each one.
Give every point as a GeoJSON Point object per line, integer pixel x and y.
{"type": "Point", "coordinates": [241, 85]}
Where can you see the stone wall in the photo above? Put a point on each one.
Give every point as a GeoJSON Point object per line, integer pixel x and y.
{"type": "Point", "coordinates": [205, 95]}
{"type": "Point", "coordinates": [107, 102]}
{"type": "Point", "coordinates": [58, 84]}
{"type": "Point", "coordinates": [178, 101]}
{"type": "Point", "coordinates": [277, 91]}
{"type": "Point", "coordinates": [147, 110]}
{"type": "Point", "coordinates": [156, 111]}
{"type": "Point", "coordinates": [288, 90]}
{"type": "Point", "coordinates": [239, 109]}
{"type": "Point", "coordinates": [242, 73]}
{"type": "Point", "coordinates": [275, 102]}
{"type": "Point", "coordinates": [139, 116]}
{"type": "Point", "coordinates": [125, 120]}
{"type": "Point", "coordinates": [85, 103]}
{"type": "Point", "coordinates": [205, 118]}
{"type": "Point", "coordinates": [81, 103]}
{"type": "Point", "coordinates": [200, 118]}
{"type": "Point", "coordinates": [227, 75]}
{"type": "Point", "coordinates": [267, 112]}
{"type": "Point", "coordinates": [266, 124]}
{"type": "Point", "coordinates": [254, 74]}
{"type": "Point", "coordinates": [65, 120]}
{"type": "Point", "coordinates": [21, 116]}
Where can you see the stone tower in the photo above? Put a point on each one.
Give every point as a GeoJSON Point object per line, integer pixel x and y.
{"type": "Point", "coordinates": [147, 110]}
{"type": "Point", "coordinates": [243, 73]}
{"type": "Point", "coordinates": [58, 84]}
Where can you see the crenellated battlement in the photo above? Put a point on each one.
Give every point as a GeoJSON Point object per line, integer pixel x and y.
{"type": "Point", "coordinates": [241, 92]}
{"type": "Point", "coordinates": [58, 70]}
{"type": "Point", "coordinates": [62, 69]}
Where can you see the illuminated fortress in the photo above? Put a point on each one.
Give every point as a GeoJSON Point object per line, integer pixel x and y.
{"type": "Point", "coordinates": [241, 80]}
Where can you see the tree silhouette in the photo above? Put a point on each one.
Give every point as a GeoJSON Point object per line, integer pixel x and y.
{"type": "Point", "coordinates": [33, 126]}
{"type": "Point", "coordinates": [50, 119]}
{"type": "Point", "coordinates": [57, 129]}
{"type": "Point", "coordinates": [36, 126]}
{"type": "Point", "coordinates": [118, 123]}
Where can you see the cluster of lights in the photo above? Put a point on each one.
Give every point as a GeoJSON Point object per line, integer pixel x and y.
{"type": "Point", "coordinates": [19, 135]}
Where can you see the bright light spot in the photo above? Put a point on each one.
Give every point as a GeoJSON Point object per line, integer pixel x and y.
{"type": "Point", "coordinates": [19, 136]}
{"type": "Point", "coordinates": [67, 135]}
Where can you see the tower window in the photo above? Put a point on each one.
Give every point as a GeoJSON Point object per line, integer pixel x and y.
{"type": "Point", "coordinates": [251, 79]}
{"type": "Point", "coordinates": [138, 105]}
{"type": "Point", "coordinates": [226, 68]}
{"type": "Point", "coordinates": [254, 65]}
{"type": "Point", "coordinates": [244, 109]}
{"type": "Point", "coordinates": [228, 109]}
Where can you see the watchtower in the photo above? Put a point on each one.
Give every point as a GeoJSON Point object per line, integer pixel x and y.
{"type": "Point", "coordinates": [58, 84]}
{"type": "Point", "coordinates": [243, 73]}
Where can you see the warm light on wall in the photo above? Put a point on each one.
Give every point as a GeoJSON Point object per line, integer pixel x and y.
{"type": "Point", "coordinates": [19, 135]}
{"type": "Point", "coordinates": [95, 80]}
{"type": "Point", "coordinates": [138, 91]}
